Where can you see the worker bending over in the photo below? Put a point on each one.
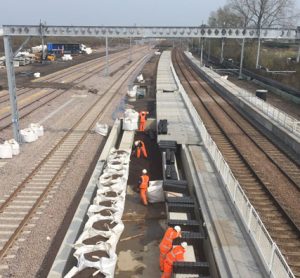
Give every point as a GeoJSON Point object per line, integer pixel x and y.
{"type": "Point", "coordinates": [140, 148]}
{"type": "Point", "coordinates": [144, 183]}
{"type": "Point", "coordinates": [143, 120]}
{"type": "Point", "coordinates": [175, 255]}
{"type": "Point", "coordinates": [167, 243]}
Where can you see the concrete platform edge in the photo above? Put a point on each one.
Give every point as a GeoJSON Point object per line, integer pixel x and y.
{"type": "Point", "coordinates": [59, 266]}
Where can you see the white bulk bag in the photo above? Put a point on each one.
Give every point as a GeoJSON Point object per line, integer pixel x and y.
{"type": "Point", "coordinates": [37, 75]}
{"type": "Point", "coordinates": [116, 187]}
{"type": "Point", "coordinates": [101, 129]}
{"type": "Point", "coordinates": [129, 124]}
{"type": "Point", "coordinates": [94, 209]}
{"type": "Point", "coordinates": [131, 93]}
{"type": "Point", "coordinates": [155, 192]}
{"type": "Point", "coordinates": [140, 78]}
{"type": "Point", "coordinates": [104, 265]}
{"type": "Point", "coordinates": [5, 150]}
{"type": "Point", "coordinates": [131, 114]}
{"type": "Point", "coordinates": [15, 147]}
{"type": "Point", "coordinates": [112, 239]}
{"type": "Point", "coordinates": [37, 128]}
{"type": "Point", "coordinates": [28, 135]}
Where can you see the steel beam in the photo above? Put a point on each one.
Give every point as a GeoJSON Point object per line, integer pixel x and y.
{"type": "Point", "coordinates": [242, 60]}
{"type": "Point", "coordinates": [21, 47]}
{"type": "Point", "coordinates": [43, 49]}
{"type": "Point", "coordinates": [258, 53]}
{"type": "Point", "coordinates": [201, 54]}
{"type": "Point", "coordinates": [106, 57]}
{"type": "Point", "coordinates": [208, 55]}
{"type": "Point", "coordinates": [222, 51]}
{"type": "Point", "coordinates": [9, 62]}
{"type": "Point", "coordinates": [148, 32]}
{"type": "Point", "coordinates": [130, 50]}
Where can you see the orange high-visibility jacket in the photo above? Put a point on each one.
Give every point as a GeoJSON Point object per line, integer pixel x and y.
{"type": "Point", "coordinates": [168, 238]}
{"type": "Point", "coordinates": [176, 254]}
{"type": "Point", "coordinates": [143, 116]}
{"type": "Point", "coordinates": [144, 182]}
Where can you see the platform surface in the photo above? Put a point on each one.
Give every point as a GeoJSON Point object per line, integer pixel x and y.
{"type": "Point", "coordinates": [232, 248]}
{"type": "Point", "coordinates": [170, 106]}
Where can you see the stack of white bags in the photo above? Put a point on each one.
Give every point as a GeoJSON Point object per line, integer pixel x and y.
{"type": "Point", "coordinates": [67, 57]}
{"type": "Point", "coordinates": [32, 133]}
{"type": "Point", "coordinates": [131, 120]}
{"type": "Point", "coordinates": [11, 147]}
{"type": "Point", "coordinates": [132, 93]}
{"type": "Point", "coordinates": [108, 206]}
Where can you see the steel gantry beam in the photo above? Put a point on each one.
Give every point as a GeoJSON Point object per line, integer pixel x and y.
{"type": "Point", "coordinates": [148, 32]}
{"type": "Point", "coordinates": [41, 30]}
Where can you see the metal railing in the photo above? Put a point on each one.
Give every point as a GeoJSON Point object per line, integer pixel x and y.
{"type": "Point", "coordinates": [282, 118]}
{"type": "Point", "coordinates": [274, 261]}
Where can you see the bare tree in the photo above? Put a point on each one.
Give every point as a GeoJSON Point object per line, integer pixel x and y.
{"type": "Point", "coordinates": [265, 13]}
{"type": "Point", "coordinates": [225, 17]}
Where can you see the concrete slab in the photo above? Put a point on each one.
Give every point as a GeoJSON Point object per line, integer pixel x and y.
{"type": "Point", "coordinates": [172, 107]}
{"type": "Point", "coordinates": [127, 140]}
{"type": "Point", "coordinates": [178, 216]}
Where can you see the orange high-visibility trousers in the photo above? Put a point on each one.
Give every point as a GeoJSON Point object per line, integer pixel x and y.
{"type": "Point", "coordinates": [142, 150]}
{"type": "Point", "coordinates": [143, 195]}
{"type": "Point", "coordinates": [167, 270]}
{"type": "Point", "coordinates": [162, 258]}
{"type": "Point", "coordinates": [142, 125]}
{"type": "Point", "coordinates": [164, 249]}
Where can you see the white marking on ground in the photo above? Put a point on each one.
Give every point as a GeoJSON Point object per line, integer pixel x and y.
{"type": "Point", "coordinates": [9, 257]}
{"type": "Point", "coordinates": [2, 163]}
{"type": "Point", "coordinates": [79, 96]}
{"type": "Point", "coordinates": [3, 266]}
{"type": "Point", "coordinates": [55, 111]}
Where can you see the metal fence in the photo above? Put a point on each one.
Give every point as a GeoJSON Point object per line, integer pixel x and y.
{"type": "Point", "coordinates": [282, 118]}
{"type": "Point", "coordinates": [274, 261]}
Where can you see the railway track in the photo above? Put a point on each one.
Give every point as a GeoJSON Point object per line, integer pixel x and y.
{"type": "Point", "coordinates": [51, 94]}
{"type": "Point", "coordinates": [5, 97]}
{"type": "Point", "coordinates": [20, 207]}
{"type": "Point", "coordinates": [269, 177]}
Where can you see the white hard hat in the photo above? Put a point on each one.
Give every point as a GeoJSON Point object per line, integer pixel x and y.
{"type": "Point", "coordinates": [184, 244]}
{"type": "Point", "coordinates": [177, 229]}
{"type": "Point", "coordinates": [144, 171]}
{"type": "Point", "coordinates": [136, 143]}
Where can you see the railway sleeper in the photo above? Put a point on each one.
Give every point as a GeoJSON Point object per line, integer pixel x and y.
{"type": "Point", "coordinates": [184, 199]}
{"type": "Point", "coordinates": [186, 225]}
{"type": "Point", "coordinates": [201, 268]}
{"type": "Point", "coordinates": [181, 211]}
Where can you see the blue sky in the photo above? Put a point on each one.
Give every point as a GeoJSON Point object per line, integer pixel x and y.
{"type": "Point", "coordinates": [112, 12]}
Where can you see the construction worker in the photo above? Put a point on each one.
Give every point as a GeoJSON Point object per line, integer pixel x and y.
{"type": "Point", "coordinates": [167, 243]}
{"type": "Point", "coordinates": [140, 147]}
{"type": "Point", "coordinates": [144, 182]}
{"type": "Point", "coordinates": [143, 120]}
{"type": "Point", "coordinates": [175, 255]}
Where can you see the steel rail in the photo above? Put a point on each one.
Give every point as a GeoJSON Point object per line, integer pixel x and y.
{"type": "Point", "coordinates": [115, 87]}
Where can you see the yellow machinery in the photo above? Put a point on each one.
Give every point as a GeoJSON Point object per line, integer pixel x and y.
{"type": "Point", "coordinates": [50, 57]}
